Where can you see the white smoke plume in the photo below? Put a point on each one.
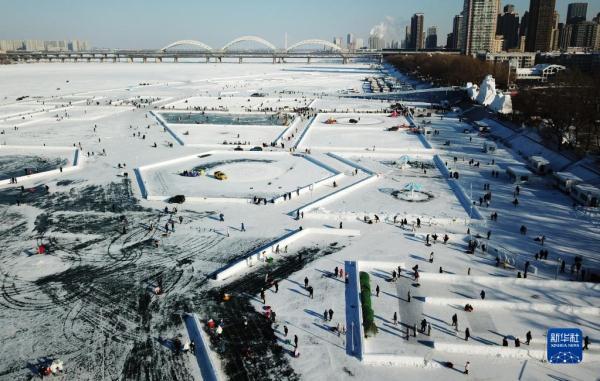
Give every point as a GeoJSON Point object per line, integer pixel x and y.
{"type": "Point", "coordinates": [388, 29]}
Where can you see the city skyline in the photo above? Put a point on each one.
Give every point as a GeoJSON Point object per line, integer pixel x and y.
{"type": "Point", "coordinates": [103, 27]}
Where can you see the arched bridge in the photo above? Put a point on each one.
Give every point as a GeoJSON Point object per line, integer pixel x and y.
{"type": "Point", "coordinates": [270, 46]}
{"type": "Point", "coordinates": [201, 50]}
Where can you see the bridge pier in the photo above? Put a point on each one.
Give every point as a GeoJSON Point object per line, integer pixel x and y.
{"type": "Point", "coordinates": [344, 60]}
{"type": "Point", "coordinates": [220, 59]}
{"type": "Point", "coordinates": [145, 59]}
{"type": "Point", "coordinates": [115, 59]}
{"type": "Point", "coordinates": [158, 60]}
{"type": "Point", "coordinates": [176, 59]}
{"type": "Point", "coordinates": [308, 60]}
{"type": "Point", "coordinates": [88, 59]}
{"type": "Point", "coordinates": [240, 60]}
{"type": "Point", "coordinates": [130, 59]}
{"type": "Point", "coordinates": [101, 59]}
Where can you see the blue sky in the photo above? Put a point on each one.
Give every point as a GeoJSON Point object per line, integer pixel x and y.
{"type": "Point", "coordinates": [155, 23]}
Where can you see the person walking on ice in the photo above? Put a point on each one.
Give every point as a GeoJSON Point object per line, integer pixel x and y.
{"type": "Point", "coordinates": [455, 322]}
{"type": "Point", "coordinates": [377, 291]}
{"type": "Point", "coordinates": [395, 318]}
{"type": "Point", "coordinates": [467, 365]}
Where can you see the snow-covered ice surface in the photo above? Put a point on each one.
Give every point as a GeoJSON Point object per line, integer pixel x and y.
{"type": "Point", "coordinates": [249, 174]}
{"type": "Point", "coordinates": [90, 302]}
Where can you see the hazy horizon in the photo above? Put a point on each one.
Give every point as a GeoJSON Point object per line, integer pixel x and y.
{"type": "Point", "coordinates": [153, 23]}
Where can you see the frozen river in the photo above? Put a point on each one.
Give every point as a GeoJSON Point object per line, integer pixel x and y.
{"type": "Point", "coordinates": [98, 270]}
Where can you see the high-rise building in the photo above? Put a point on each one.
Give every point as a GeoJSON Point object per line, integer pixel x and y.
{"type": "Point", "coordinates": [498, 44]}
{"type": "Point", "coordinates": [554, 45]}
{"type": "Point", "coordinates": [508, 27]}
{"type": "Point", "coordinates": [524, 25]}
{"type": "Point", "coordinates": [417, 24]}
{"type": "Point", "coordinates": [360, 43]}
{"type": "Point", "coordinates": [450, 40]}
{"type": "Point", "coordinates": [566, 34]}
{"type": "Point", "coordinates": [576, 12]}
{"type": "Point", "coordinates": [407, 39]}
{"type": "Point", "coordinates": [456, 24]}
{"type": "Point", "coordinates": [539, 30]}
{"type": "Point", "coordinates": [431, 40]}
{"type": "Point", "coordinates": [393, 44]}
{"type": "Point", "coordinates": [38, 45]}
{"type": "Point", "coordinates": [33, 45]}
{"type": "Point", "coordinates": [478, 27]}
{"type": "Point", "coordinates": [585, 35]}
{"type": "Point", "coordinates": [376, 42]}
{"type": "Point", "coordinates": [350, 43]}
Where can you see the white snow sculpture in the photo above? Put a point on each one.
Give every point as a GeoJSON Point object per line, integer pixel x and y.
{"type": "Point", "coordinates": [487, 91]}
{"type": "Point", "coordinates": [502, 103]}
{"type": "Point", "coordinates": [472, 90]}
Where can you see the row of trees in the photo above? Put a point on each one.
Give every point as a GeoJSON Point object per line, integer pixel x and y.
{"type": "Point", "coordinates": [566, 109]}
{"type": "Point", "coordinates": [450, 70]}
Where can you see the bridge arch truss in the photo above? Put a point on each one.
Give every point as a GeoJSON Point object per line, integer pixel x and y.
{"type": "Point", "coordinates": [256, 39]}
{"type": "Point", "coordinates": [315, 42]}
{"type": "Point", "coordinates": [188, 42]}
